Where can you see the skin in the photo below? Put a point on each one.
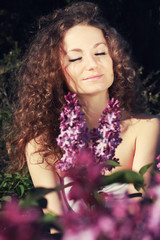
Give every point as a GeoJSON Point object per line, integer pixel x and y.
{"type": "Point", "coordinates": [88, 69]}
{"type": "Point", "coordinates": [86, 61]}
{"type": "Point", "coordinates": [90, 76]}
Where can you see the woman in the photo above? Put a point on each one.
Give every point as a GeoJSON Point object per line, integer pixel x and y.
{"type": "Point", "coordinates": [76, 50]}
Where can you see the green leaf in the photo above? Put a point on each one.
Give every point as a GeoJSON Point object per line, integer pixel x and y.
{"type": "Point", "coordinates": [144, 169]}
{"type": "Point", "coordinates": [123, 176]}
{"type": "Point", "coordinates": [113, 163]}
{"type": "Point", "coordinates": [48, 217]}
{"type": "Point", "coordinates": [7, 175]}
{"type": "Point", "coordinates": [6, 198]}
{"type": "Point", "coordinates": [35, 195]}
{"type": "Point", "coordinates": [28, 203]}
{"type": "Point", "coordinates": [21, 188]}
{"type": "Point", "coordinates": [51, 221]}
{"type": "Point", "coordinates": [17, 175]}
{"type": "Point", "coordinates": [139, 186]}
{"type": "Point", "coordinates": [3, 184]}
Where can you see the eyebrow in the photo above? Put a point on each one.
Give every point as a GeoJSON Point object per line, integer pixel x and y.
{"type": "Point", "coordinates": [97, 44]}
{"type": "Point", "coordinates": [79, 50]}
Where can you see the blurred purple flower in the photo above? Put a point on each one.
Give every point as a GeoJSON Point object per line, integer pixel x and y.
{"type": "Point", "coordinates": [118, 219]}
{"type": "Point", "coordinates": [86, 177]}
{"type": "Point", "coordinates": [18, 224]}
{"type": "Point", "coordinates": [158, 164]}
{"type": "Point", "coordinates": [88, 224]}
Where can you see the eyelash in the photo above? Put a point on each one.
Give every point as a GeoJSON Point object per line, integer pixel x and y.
{"type": "Point", "coordinates": [102, 53]}
{"type": "Point", "coordinates": [76, 59]}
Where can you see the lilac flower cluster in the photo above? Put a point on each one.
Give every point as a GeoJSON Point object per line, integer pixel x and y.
{"type": "Point", "coordinates": [75, 137]}
{"type": "Point", "coordinates": [108, 129]}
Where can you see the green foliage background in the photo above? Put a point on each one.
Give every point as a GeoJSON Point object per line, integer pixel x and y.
{"type": "Point", "coordinates": [137, 20]}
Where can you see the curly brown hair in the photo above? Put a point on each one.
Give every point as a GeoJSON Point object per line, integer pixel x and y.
{"type": "Point", "coordinates": [42, 83]}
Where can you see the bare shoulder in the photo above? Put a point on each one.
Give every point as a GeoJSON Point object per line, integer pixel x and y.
{"type": "Point", "coordinates": [144, 123]}
{"type": "Point", "coordinates": [143, 131]}
{"type": "Point", "coordinates": [32, 151]}
{"type": "Point", "coordinates": [141, 124]}
{"type": "Point", "coordinates": [35, 155]}
{"type": "Point", "coordinates": [147, 131]}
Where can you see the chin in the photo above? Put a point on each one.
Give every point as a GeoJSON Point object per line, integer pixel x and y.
{"type": "Point", "coordinates": [92, 93]}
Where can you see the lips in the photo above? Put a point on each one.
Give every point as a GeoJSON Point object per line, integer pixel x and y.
{"type": "Point", "coordinates": [95, 77]}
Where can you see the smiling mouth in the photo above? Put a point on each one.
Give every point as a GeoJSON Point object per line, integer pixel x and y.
{"type": "Point", "coordinates": [92, 78]}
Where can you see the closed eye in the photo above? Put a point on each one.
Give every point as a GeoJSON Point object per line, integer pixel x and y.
{"type": "Point", "coordinates": [75, 59]}
{"type": "Point", "coordinates": [102, 53]}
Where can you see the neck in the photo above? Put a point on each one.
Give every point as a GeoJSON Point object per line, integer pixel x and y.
{"type": "Point", "coordinates": [93, 106]}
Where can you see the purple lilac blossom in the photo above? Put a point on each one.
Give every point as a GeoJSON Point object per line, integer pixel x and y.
{"type": "Point", "coordinates": [109, 130]}
{"type": "Point", "coordinates": [158, 164]}
{"type": "Point", "coordinates": [75, 137]}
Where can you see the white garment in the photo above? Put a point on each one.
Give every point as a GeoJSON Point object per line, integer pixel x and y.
{"type": "Point", "coordinates": [117, 189]}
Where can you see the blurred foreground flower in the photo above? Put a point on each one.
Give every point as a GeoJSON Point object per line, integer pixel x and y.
{"type": "Point", "coordinates": [158, 164]}
{"type": "Point", "coordinates": [121, 219]}
{"type": "Point", "coordinates": [102, 219]}
{"type": "Point", "coordinates": [86, 178]}
{"type": "Point", "coordinates": [20, 224]}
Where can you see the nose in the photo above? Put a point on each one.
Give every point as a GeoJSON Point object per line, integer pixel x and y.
{"type": "Point", "coordinates": [90, 62]}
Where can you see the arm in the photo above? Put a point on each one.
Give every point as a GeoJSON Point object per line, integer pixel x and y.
{"type": "Point", "coordinates": [43, 176]}
{"type": "Point", "coordinates": [147, 144]}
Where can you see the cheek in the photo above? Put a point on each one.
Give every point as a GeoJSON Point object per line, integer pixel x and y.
{"type": "Point", "coordinates": [107, 64]}
{"type": "Point", "coordinates": [72, 73]}
{"type": "Point", "coordinates": [70, 78]}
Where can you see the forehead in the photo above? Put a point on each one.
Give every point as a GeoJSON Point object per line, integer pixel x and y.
{"type": "Point", "coordinates": [82, 37]}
